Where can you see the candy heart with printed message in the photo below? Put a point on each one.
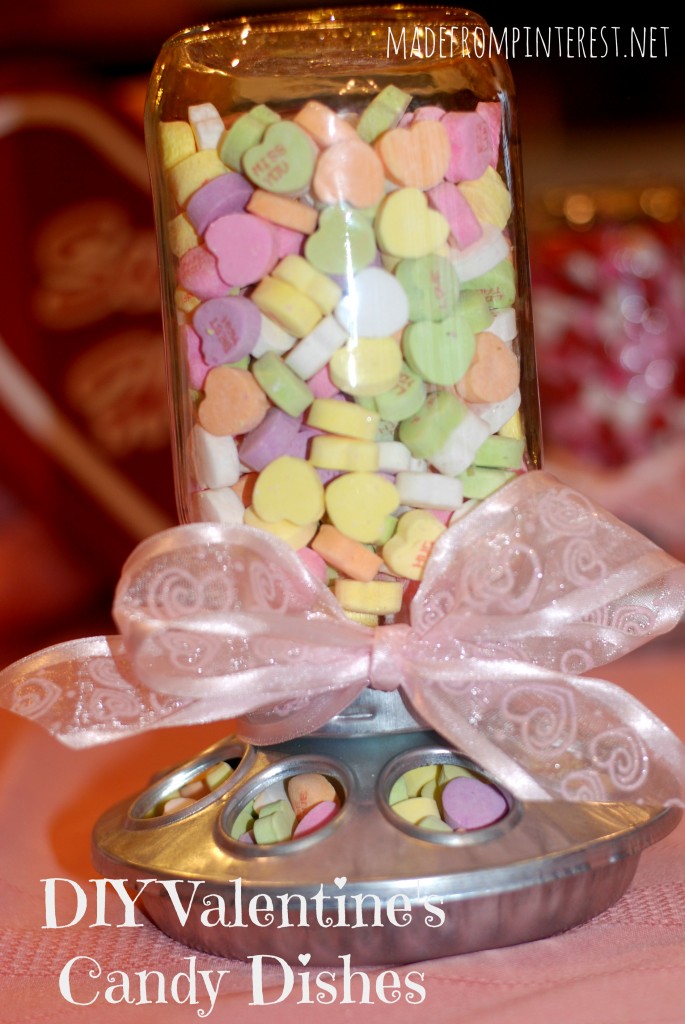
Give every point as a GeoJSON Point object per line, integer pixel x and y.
{"type": "Point", "coordinates": [407, 551]}
{"type": "Point", "coordinates": [283, 162]}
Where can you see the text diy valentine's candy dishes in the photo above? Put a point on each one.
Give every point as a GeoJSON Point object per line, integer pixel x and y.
{"type": "Point", "coordinates": [85, 981]}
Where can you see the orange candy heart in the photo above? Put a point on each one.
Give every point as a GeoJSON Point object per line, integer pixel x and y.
{"type": "Point", "coordinates": [416, 156]}
{"type": "Point", "coordinates": [493, 374]}
{"type": "Point", "coordinates": [349, 172]}
{"type": "Point", "coordinates": [234, 402]}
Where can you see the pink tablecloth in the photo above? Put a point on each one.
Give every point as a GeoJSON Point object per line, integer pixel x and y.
{"type": "Point", "coordinates": [627, 966]}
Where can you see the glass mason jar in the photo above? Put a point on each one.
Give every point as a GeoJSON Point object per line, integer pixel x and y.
{"type": "Point", "coordinates": [345, 281]}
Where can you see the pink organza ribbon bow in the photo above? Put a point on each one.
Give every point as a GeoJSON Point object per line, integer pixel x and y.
{"type": "Point", "coordinates": [531, 589]}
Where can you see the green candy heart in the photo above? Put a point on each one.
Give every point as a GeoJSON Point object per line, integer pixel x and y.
{"type": "Point", "coordinates": [429, 428]}
{"type": "Point", "coordinates": [500, 453]}
{"type": "Point", "coordinates": [344, 242]}
{"type": "Point", "coordinates": [497, 286]}
{"type": "Point", "coordinates": [404, 399]}
{"type": "Point", "coordinates": [432, 287]}
{"type": "Point", "coordinates": [245, 132]}
{"type": "Point", "coordinates": [283, 162]}
{"type": "Point", "coordinates": [441, 353]}
{"type": "Point", "coordinates": [383, 113]}
{"type": "Point", "coordinates": [475, 310]}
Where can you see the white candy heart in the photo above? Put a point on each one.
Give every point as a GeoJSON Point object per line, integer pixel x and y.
{"type": "Point", "coordinates": [376, 305]}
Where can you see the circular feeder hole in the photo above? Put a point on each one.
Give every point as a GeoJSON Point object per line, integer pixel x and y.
{"type": "Point", "coordinates": [440, 796]}
{"type": "Point", "coordinates": [189, 787]}
{"type": "Point", "coordinates": [288, 803]}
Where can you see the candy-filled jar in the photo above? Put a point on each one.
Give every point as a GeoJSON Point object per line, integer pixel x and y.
{"type": "Point", "coordinates": [345, 277]}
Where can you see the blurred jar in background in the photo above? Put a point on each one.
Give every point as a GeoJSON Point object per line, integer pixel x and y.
{"type": "Point", "coordinates": [608, 272]}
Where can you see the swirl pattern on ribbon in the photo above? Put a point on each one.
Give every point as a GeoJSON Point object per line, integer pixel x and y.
{"type": "Point", "coordinates": [530, 589]}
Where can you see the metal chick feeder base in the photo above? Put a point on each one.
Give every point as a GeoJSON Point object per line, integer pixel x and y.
{"type": "Point", "coordinates": [544, 867]}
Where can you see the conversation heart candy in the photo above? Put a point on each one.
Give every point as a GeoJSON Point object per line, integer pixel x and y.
{"type": "Point", "coordinates": [494, 371]}
{"type": "Point", "coordinates": [294, 214]}
{"type": "Point", "coordinates": [470, 145]}
{"type": "Point", "coordinates": [199, 273]}
{"type": "Point", "coordinates": [469, 803]}
{"type": "Point", "coordinates": [347, 556]}
{"type": "Point", "coordinates": [465, 228]}
{"type": "Point", "coordinates": [499, 452]}
{"type": "Point", "coordinates": [344, 418]}
{"type": "Point", "coordinates": [406, 227]}
{"type": "Point", "coordinates": [479, 482]}
{"type": "Point", "coordinates": [275, 823]}
{"type": "Point", "coordinates": [416, 156]}
{"type": "Point", "coordinates": [429, 428]}
{"type": "Point", "coordinates": [488, 197]}
{"type": "Point", "coordinates": [416, 809]}
{"type": "Point", "coordinates": [431, 284]}
{"type": "Point", "coordinates": [379, 597]}
{"type": "Point", "coordinates": [233, 403]}
{"type": "Point", "coordinates": [349, 172]}
{"type": "Point", "coordinates": [288, 488]}
{"type": "Point", "coordinates": [280, 300]}
{"type": "Point", "coordinates": [497, 286]}
{"type": "Point", "coordinates": [323, 124]}
{"type": "Point", "coordinates": [307, 789]}
{"type": "Point", "coordinates": [315, 818]}
{"type": "Point", "coordinates": [344, 242]}
{"type": "Point", "coordinates": [296, 536]}
{"type": "Point", "coordinates": [176, 142]}
{"type": "Point", "coordinates": [441, 352]}
{"type": "Point", "coordinates": [428, 490]}
{"type": "Point", "coordinates": [284, 388]}
{"type": "Point", "coordinates": [228, 328]}
{"type": "Point", "coordinates": [228, 193]}
{"type": "Point", "coordinates": [283, 162]}
{"type": "Point", "coordinates": [491, 112]}
{"type": "Point", "coordinates": [320, 289]}
{"type": "Point", "coordinates": [480, 256]}
{"type": "Point", "coordinates": [245, 247]}
{"type": "Point", "coordinates": [375, 307]}
{"type": "Point", "coordinates": [404, 399]}
{"type": "Point", "coordinates": [357, 504]}
{"type": "Point", "coordinates": [368, 366]}
{"type": "Point", "coordinates": [407, 551]}
{"type": "Point", "coordinates": [268, 440]}
{"type": "Point", "coordinates": [383, 112]}
{"type": "Point", "coordinates": [246, 131]}
{"type": "Point", "coordinates": [187, 176]}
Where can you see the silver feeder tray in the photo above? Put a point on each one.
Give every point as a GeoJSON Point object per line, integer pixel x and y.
{"type": "Point", "coordinates": [542, 868]}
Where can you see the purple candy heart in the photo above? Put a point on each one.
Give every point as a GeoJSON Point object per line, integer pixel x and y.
{"type": "Point", "coordinates": [228, 193]}
{"type": "Point", "coordinates": [469, 803]}
{"type": "Point", "coordinates": [269, 440]}
{"type": "Point", "coordinates": [228, 329]}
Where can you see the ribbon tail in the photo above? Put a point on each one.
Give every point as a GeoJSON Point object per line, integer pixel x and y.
{"type": "Point", "coordinates": [549, 736]}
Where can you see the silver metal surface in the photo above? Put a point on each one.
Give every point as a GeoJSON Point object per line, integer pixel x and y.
{"type": "Point", "coordinates": [543, 868]}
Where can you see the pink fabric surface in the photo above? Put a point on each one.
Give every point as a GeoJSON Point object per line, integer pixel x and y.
{"type": "Point", "coordinates": [627, 966]}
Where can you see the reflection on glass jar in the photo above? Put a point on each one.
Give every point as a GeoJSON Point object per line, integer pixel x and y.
{"type": "Point", "coordinates": [338, 203]}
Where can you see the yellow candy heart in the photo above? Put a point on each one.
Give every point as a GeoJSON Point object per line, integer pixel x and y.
{"type": "Point", "coordinates": [288, 488]}
{"type": "Point", "coordinates": [406, 227]}
{"type": "Point", "coordinates": [489, 198]}
{"type": "Point", "coordinates": [407, 551]}
{"type": "Point", "coordinates": [357, 504]}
